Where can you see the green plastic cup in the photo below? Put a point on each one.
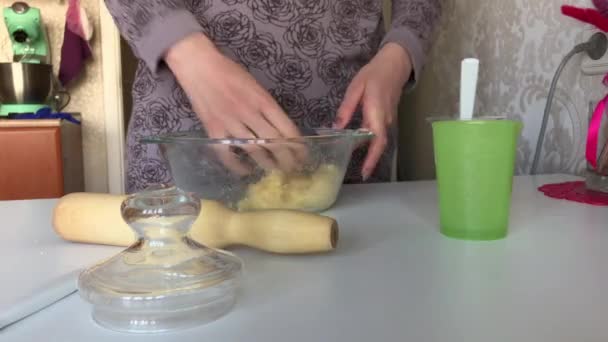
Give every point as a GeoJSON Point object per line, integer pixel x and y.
{"type": "Point", "coordinates": [475, 161]}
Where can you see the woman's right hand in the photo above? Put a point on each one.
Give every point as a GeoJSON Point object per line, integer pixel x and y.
{"type": "Point", "coordinates": [230, 102]}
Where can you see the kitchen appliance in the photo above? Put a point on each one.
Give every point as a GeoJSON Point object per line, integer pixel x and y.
{"type": "Point", "coordinates": [28, 84]}
{"type": "Point", "coordinates": [304, 173]}
{"type": "Point", "coordinates": [29, 38]}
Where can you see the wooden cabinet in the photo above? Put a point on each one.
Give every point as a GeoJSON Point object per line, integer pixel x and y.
{"type": "Point", "coordinates": [40, 159]}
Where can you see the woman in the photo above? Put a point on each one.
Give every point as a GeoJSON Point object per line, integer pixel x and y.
{"type": "Point", "coordinates": [264, 68]}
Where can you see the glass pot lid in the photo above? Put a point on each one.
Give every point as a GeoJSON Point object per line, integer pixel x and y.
{"type": "Point", "coordinates": [164, 281]}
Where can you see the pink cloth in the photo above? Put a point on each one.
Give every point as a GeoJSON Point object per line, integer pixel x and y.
{"type": "Point", "coordinates": [75, 50]}
{"type": "Point", "coordinates": [594, 132]}
{"type": "Point", "coordinates": [73, 20]}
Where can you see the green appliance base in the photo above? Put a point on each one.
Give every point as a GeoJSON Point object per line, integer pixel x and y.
{"type": "Point", "coordinates": [7, 109]}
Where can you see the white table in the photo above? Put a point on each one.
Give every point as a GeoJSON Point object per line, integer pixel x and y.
{"type": "Point", "coordinates": [395, 278]}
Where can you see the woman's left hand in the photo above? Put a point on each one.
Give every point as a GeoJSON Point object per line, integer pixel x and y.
{"type": "Point", "coordinates": [377, 88]}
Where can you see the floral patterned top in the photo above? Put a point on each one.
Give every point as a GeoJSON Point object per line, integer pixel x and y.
{"type": "Point", "coordinates": [305, 52]}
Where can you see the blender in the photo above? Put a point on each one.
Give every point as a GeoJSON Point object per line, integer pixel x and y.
{"type": "Point", "coordinates": [27, 84]}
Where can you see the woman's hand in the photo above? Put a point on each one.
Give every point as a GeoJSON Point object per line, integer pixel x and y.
{"type": "Point", "coordinates": [229, 101]}
{"type": "Point", "coordinates": [377, 89]}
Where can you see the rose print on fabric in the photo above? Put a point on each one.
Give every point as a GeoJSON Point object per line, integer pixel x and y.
{"type": "Point", "coordinates": [144, 84]}
{"type": "Point", "coordinates": [154, 171]}
{"type": "Point", "coordinates": [142, 16]}
{"type": "Point", "coordinates": [345, 34]}
{"type": "Point", "coordinates": [415, 17]}
{"type": "Point", "coordinates": [371, 44]}
{"type": "Point", "coordinates": [197, 7]}
{"type": "Point", "coordinates": [160, 117]}
{"type": "Point", "coordinates": [292, 102]}
{"type": "Point", "coordinates": [276, 12]}
{"type": "Point", "coordinates": [312, 8]}
{"type": "Point", "coordinates": [291, 72]}
{"type": "Point", "coordinates": [181, 98]}
{"type": "Point", "coordinates": [182, 107]}
{"type": "Point", "coordinates": [336, 93]}
{"type": "Point", "coordinates": [134, 183]}
{"type": "Point", "coordinates": [332, 69]}
{"type": "Point", "coordinates": [205, 28]}
{"type": "Point", "coordinates": [171, 4]}
{"type": "Point", "coordinates": [306, 36]}
{"type": "Point", "coordinates": [232, 28]}
{"type": "Point", "coordinates": [261, 51]}
{"type": "Point", "coordinates": [138, 151]}
{"type": "Point", "coordinates": [371, 9]}
{"type": "Point", "coordinates": [346, 11]}
{"type": "Point", "coordinates": [320, 112]}
{"type": "Point", "coordinates": [137, 123]}
{"type": "Point", "coordinates": [233, 2]}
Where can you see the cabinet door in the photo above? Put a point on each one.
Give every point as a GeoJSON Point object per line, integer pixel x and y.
{"type": "Point", "coordinates": [30, 163]}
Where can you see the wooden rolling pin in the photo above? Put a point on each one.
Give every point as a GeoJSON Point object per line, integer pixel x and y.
{"type": "Point", "coordinates": [96, 218]}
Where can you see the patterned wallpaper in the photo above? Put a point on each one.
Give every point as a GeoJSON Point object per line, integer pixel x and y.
{"type": "Point", "coordinates": [87, 93]}
{"type": "Point", "coordinates": [520, 43]}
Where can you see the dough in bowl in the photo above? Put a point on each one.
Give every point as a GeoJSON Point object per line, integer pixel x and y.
{"type": "Point", "coordinates": [279, 190]}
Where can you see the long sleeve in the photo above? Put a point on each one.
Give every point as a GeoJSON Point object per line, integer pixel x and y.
{"type": "Point", "coordinates": [412, 26]}
{"type": "Point", "coordinates": [151, 27]}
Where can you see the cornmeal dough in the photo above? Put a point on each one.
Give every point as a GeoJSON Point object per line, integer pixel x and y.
{"type": "Point", "coordinates": [279, 190]}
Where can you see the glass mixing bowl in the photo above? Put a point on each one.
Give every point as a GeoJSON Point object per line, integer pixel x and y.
{"type": "Point", "coordinates": [304, 173]}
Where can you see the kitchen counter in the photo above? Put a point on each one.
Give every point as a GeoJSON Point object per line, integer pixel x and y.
{"type": "Point", "coordinates": [394, 277]}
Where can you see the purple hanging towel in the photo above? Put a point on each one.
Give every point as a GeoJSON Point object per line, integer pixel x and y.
{"type": "Point", "coordinates": [75, 50]}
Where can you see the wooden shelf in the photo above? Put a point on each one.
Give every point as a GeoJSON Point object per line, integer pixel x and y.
{"type": "Point", "coordinates": [40, 159]}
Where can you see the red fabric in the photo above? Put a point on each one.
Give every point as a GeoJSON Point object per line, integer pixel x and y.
{"type": "Point", "coordinates": [587, 15]}
{"type": "Point", "coordinates": [575, 192]}
{"type": "Point", "coordinates": [602, 6]}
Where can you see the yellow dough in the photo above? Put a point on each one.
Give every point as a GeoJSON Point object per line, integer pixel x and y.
{"type": "Point", "coordinates": [279, 190]}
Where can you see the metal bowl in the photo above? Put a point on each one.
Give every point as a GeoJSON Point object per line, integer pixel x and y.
{"type": "Point", "coordinates": [25, 83]}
